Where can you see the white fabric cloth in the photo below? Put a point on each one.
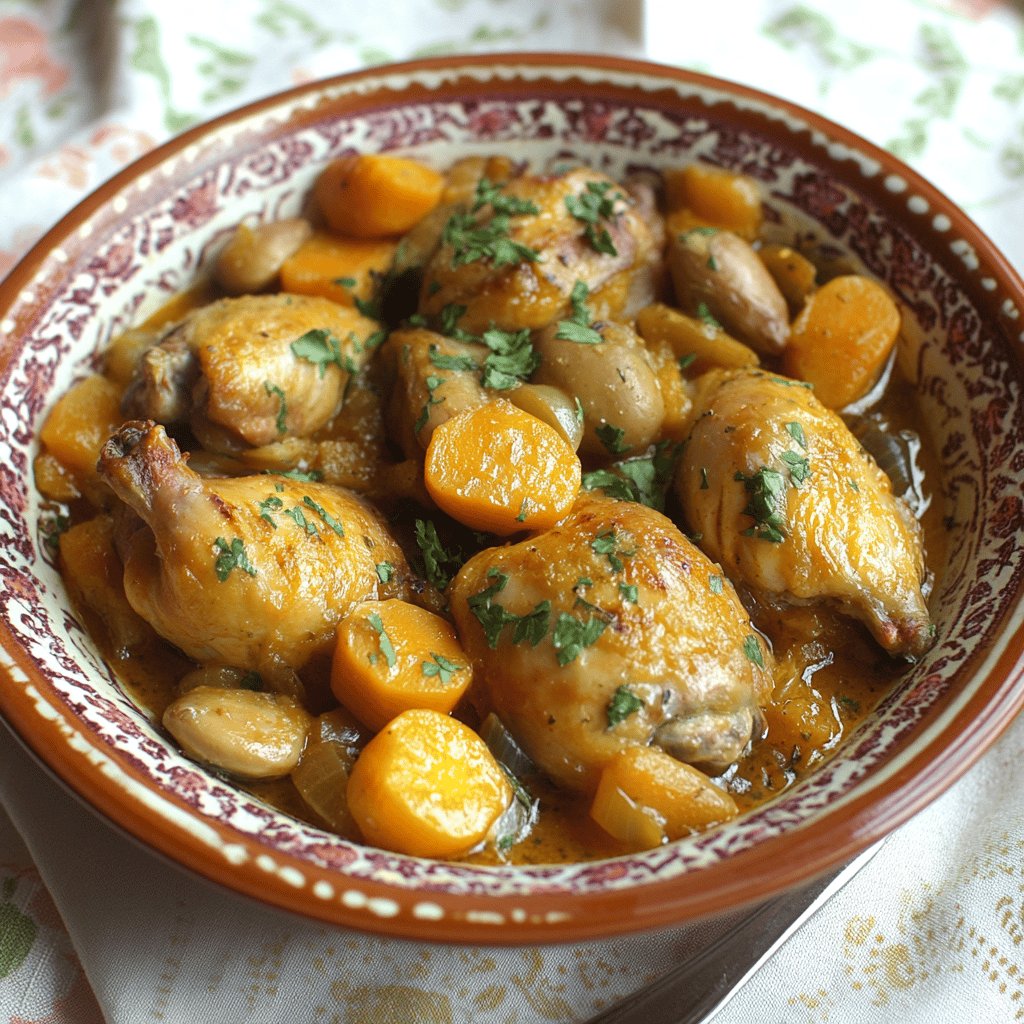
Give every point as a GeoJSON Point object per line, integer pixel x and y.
{"type": "Point", "coordinates": [932, 931]}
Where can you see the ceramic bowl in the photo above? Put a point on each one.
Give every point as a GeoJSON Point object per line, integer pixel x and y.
{"type": "Point", "coordinates": [143, 236]}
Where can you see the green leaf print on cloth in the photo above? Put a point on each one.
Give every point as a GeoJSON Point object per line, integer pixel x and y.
{"type": "Point", "coordinates": [17, 932]}
{"type": "Point", "coordinates": [941, 58]}
{"type": "Point", "coordinates": [226, 71]}
{"type": "Point", "coordinates": [802, 27]}
{"type": "Point", "coordinates": [146, 57]}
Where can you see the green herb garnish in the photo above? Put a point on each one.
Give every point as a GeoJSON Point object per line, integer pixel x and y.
{"type": "Point", "coordinates": [629, 592]}
{"type": "Point", "coordinates": [623, 704]}
{"type": "Point", "coordinates": [715, 583]}
{"type": "Point", "coordinates": [268, 505]}
{"type": "Point", "coordinates": [572, 635]}
{"type": "Point", "coordinates": [577, 328]}
{"type": "Point", "coordinates": [796, 431]}
{"type": "Point", "coordinates": [611, 437]}
{"type": "Point", "coordinates": [439, 564]}
{"type": "Point", "coordinates": [319, 347]}
{"type": "Point", "coordinates": [387, 648]}
{"type": "Point", "coordinates": [767, 489]}
{"type": "Point", "coordinates": [590, 206]}
{"type": "Point", "coordinates": [324, 515]}
{"type": "Point", "coordinates": [282, 409]}
{"type": "Point", "coordinates": [385, 572]}
{"type": "Point", "coordinates": [231, 556]}
{"type": "Point", "coordinates": [511, 361]}
{"type": "Point", "coordinates": [752, 649]}
{"type": "Point", "coordinates": [441, 667]}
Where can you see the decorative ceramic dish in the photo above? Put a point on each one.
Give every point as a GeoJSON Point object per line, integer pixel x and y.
{"type": "Point", "coordinates": [144, 236]}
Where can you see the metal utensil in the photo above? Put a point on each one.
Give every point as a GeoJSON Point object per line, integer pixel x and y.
{"type": "Point", "coordinates": [694, 991]}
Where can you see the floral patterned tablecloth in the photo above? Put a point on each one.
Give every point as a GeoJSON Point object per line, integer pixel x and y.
{"type": "Point", "coordinates": [94, 928]}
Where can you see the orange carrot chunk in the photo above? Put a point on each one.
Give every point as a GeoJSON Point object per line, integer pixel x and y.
{"type": "Point", "coordinates": [427, 786]}
{"type": "Point", "coordinates": [645, 798]}
{"type": "Point", "coordinates": [714, 197]}
{"type": "Point", "coordinates": [340, 269]}
{"type": "Point", "coordinates": [392, 656]}
{"type": "Point", "coordinates": [842, 339]}
{"type": "Point", "coordinates": [376, 196]}
{"type": "Point", "coordinates": [499, 469]}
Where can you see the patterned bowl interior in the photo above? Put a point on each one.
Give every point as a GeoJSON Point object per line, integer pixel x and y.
{"type": "Point", "coordinates": [146, 237]}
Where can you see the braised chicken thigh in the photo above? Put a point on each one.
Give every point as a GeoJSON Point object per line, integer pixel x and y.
{"type": "Point", "coordinates": [252, 370]}
{"type": "Point", "coordinates": [649, 643]}
{"type": "Point", "coordinates": [793, 507]}
{"type": "Point", "coordinates": [252, 572]}
{"type": "Point", "coordinates": [513, 258]}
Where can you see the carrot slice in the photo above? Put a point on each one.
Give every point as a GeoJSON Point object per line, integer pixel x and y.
{"type": "Point", "coordinates": [392, 656]}
{"type": "Point", "coordinates": [427, 786]}
{"type": "Point", "coordinates": [499, 469]}
{"type": "Point", "coordinates": [79, 425]}
{"type": "Point", "coordinates": [377, 196]}
{"type": "Point", "coordinates": [646, 797]}
{"type": "Point", "coordinates": [842, 338]}
{"type": "Point", "coordinates": [715, 197]}
{"type": "Point", "coordinates": [340, 269]}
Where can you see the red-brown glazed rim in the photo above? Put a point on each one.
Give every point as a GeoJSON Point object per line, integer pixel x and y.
{"type": "Point", "coordinates": [957, 731]}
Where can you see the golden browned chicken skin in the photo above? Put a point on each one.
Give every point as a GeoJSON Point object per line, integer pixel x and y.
{"type": "Point", "coordinates": [252, 572]}
{"type": "Point", "coordinates": [523, 275]}
{"type": "Point", "coordinates": [793, 507]}
{"type": "Point", "coordinates": [435, 378]}
{"type": "Point", "coordinates": [609, 631]}
{"type": "Point", "coordinates": [232, 369]}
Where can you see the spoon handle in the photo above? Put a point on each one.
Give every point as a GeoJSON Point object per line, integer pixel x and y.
{"type": "Point", "coordinates": [694, 991]}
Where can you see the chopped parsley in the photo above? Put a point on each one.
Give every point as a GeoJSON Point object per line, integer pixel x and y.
{"type": "Point", "coordinates": [853, 484]}
{"type": "Point", "coordinates": [629, 592]}
{"type": "Point", "coordinates": [433, 382]}
{"type": "Point", "coordinates": [439, 564]}
{"type": "Point", "coordinates": [577, 328]}
{"type": "Point", "coordinates": [231, 556]}
{"type": "Point", "coordinates": [441, 667]}
{"type": "Point", "coordinates": [623, 704]}
{"type": "Point", "coordinates": [321, 348]}
{"type": "Point", "coordinates": [324, 515]}
{"type": "Point", "coordinates": [345, 282]}
{"type": "Point", "coordinates": [448, 362]}
{"type": "Point", "coordinates": [298, 517]}
{"type": "Point", "coordinates": [591, 206]}
{"type": "Point", "coordinates": [607, 544]}
{"type": "Point", "coordinates": [687, 360]}
{"type": "Point", "coordinates": [705, 316]}
{"type": "Point", "coordinates": [493, 618]}
{"type": "Point", "coordinates": [799, 467]}
{"type": "Point", "coordinates": [471, 240]}
{"type": "Point", "coordinates": [752, 649]}
{"type": "Point", "coordinates": [611, 437]}
{"type": "Point", "coordinates": [489, 193]}
{"type": "Point", "coordinates": [767, 489]}
{"type": "Point", "coordinates": [644, 480]}
{"type": "Point", "coordinates": [385, 572]}
{"type": "Point", "coordinates": [796, 431]}
{"type": "Point", "coordinates": [282, 409]}
{"type": "Point", "coordinates": [849, 703]}
{"type": "Point", "coordinates": [511, 361]}
{"type": "Point", "coordinates": [450, 315]}
{"type": "Point", "coordinates": [387, 648]}
{"type": "Point", "coordinates": [715, 583]}
{"type": "Point", "coordinates": [268, 505]}
{"type": "Point", "coordinates": [571, 635]}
